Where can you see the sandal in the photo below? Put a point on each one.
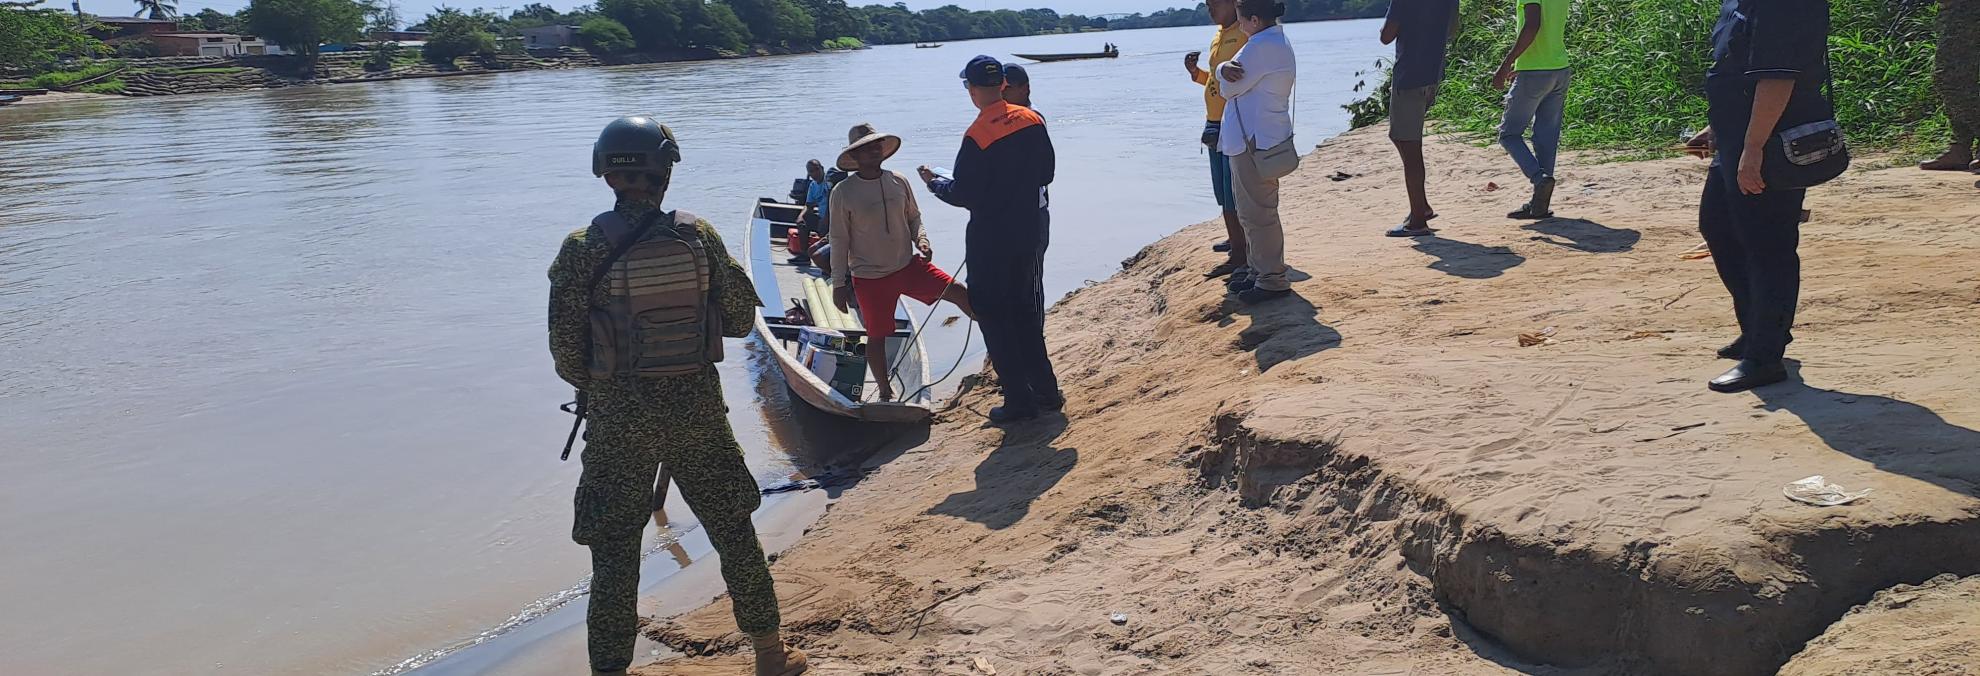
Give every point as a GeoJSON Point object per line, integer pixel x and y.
{"type": "Point", "coordinates": [1403, 230]}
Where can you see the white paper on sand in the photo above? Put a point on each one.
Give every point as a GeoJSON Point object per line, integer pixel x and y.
{"type": "Point", "coordinates": [1816, 490]}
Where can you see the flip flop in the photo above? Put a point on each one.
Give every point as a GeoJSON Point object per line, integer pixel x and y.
{"type": "Point", "coordinates": [1401, 231]}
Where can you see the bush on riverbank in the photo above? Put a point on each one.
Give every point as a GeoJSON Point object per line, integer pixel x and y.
{"type": "Point", "coordinates": [1640, 71]}
{"type": "Point", "coordinates": [843, 43]}
{"type": "Point", "coordinates": [605, 36]}
{"type": "Point", "coordinates": [63, 78]}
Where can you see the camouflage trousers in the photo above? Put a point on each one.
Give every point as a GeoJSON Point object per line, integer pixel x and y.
{"type": "Point", "coordinates": [626, 441]}
{"type": "Point", "coordinates": [1956, 69]}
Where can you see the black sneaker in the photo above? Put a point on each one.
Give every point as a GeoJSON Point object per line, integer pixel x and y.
{"type": "Point", "coordinates": [1054, 402]}
{"type": "Point", "coordinates": [1004, 415]}
{"type": "Point", "coordinates": [1221, 247]}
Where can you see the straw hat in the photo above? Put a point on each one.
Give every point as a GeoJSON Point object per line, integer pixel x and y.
{"type": "Point", "coordinates": [863, 134]}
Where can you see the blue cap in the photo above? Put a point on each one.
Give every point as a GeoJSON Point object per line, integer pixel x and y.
{"type": "Point", "coordinates": [1015, 75]}
{"type": "Point", "coordinates": [984, 71]}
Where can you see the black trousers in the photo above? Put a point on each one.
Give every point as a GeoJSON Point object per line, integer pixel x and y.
{"type": "Point", "coordinates": [1753, 240]}
{"type": "Point", "coordinates": [1007, 291]}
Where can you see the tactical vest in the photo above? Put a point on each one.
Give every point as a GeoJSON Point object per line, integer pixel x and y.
{"type": "Point", "coordinates": [661, 315]}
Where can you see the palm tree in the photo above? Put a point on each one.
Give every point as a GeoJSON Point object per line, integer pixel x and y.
{"type": "Point", "coordinates": [157, 9]}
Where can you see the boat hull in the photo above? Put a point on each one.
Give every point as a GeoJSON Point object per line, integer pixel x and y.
{"type": "Point", "coordinates": [763, 259]}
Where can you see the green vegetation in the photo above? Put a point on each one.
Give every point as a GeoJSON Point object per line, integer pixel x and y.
{"type": "Point", "coordinates": [1640, 70]}
{"type": "Point", "coordinates": [157, 9]}
{"type": "Point", "coordinates": [382, 58]}
{"type": "Point", "coordinates": [1296, 10]}
{"type": "Point", "coordinates": [842, 43]}
{"type": "Point", "coordinates": [456, 34]}
{"type": "Point", "coordinates": [36, 37]}
{"type": "Point", "coordinates": [211, 21]}
{"type": "Point", "coordinates": [304, 25]}
{"type": "Point", "coordinates": [63, 78]}
{"type": "Point", "coordinates": [605, 36]}
{"type": "Point", "coordinates": [110, 86]}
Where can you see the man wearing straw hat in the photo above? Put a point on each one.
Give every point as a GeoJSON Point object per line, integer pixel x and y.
{"type": "Point", "coordinates": [876, 232]}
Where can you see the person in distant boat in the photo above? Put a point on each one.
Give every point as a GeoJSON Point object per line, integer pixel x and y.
{"type": "Point", "coordinates": [1257, 88]}
{"type": "Point", "coordinates": [1421, 31]}
{"type": "Point", "coordinates": [811, 220]}
{"type": "Point", "coordinates": [1224, 44]}
{"type": "Point", "coordinates": [1017, 85]}
{"type": "Point", "coordinates": [1001, 172]}
{"type": "Point", "coordinates": [875, 237]}
{"type": "Point", "coordinates": [652, 394]}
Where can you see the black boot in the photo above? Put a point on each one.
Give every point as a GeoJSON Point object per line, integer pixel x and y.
{"type": "Point", "coordinates": [1749, 374]}
{"type": "Point", "coordinates": [1006, 414]}
{"type": "Point", "coordinates": [1734, 350]}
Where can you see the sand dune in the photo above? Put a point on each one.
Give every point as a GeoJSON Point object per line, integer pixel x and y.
{"type": "Point", "coordinates": [1376, 477]}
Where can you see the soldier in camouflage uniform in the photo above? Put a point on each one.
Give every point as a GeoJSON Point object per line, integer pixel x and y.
{"type": "Point", "coordinates": [1956, 73]}
{"type": "Point", "coordinates": [638, 421]}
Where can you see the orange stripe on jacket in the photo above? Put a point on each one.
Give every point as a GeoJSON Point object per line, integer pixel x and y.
{"type": "Point", "coordinates": [999, 121]}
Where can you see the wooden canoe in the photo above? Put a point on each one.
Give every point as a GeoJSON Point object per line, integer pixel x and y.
{"type": "Point", "coordinates": [1069, 57]}
{"type": "Point", "coordinates": [782, 284]}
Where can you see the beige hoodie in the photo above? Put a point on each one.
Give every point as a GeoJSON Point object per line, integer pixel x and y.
{"type": "Point", "coordinates": [875, 226]}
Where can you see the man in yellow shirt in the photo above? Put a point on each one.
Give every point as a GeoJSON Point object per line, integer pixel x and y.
{"type": "Point", "coordinates": [1228, 40]}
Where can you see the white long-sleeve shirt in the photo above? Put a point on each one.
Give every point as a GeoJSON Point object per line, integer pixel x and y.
{"type": "Point", "coordinates": [875, 227]}
{"type": "Point", "coordinates": [1258, 106]}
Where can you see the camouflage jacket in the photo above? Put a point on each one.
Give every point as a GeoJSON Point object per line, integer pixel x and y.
{"type": "Point", "coordinates": [571, 303]}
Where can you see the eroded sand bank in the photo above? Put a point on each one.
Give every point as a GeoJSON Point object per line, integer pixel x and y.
{"type": "Point", "coordinates": [1376, 477]}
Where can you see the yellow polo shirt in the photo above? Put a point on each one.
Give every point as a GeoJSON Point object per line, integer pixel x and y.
{"type": "Point", "coordinates": [1228, 41]}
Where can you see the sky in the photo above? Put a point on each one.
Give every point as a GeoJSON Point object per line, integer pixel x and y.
{"type": "Point", "coordinates": [413, 10]}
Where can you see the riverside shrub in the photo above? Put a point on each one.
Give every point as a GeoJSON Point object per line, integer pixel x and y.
{"type": "Point", "coordinates": [1639, 70]}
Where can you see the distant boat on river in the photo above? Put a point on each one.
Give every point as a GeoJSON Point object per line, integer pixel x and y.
{"type": "Point", "coordinates": [1109, 52]}
{"type": "Point", "coordinates": [931, 45]}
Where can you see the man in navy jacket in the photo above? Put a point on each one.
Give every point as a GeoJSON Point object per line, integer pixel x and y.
{"type": "Point", "coordinates": [1000, 177]}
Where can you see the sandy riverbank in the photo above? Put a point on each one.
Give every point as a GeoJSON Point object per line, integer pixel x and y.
{"type": "Point", "coordinates": [1377, 477]}
{"type": "Point", "coordinates": [59, 97]}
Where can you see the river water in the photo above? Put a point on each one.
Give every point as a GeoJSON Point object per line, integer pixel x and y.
{"type": "Point", "coordinates": [273, 379]}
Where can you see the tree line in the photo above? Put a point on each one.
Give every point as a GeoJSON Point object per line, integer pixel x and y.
{"type": "Point", "coordinates": [30, 33]}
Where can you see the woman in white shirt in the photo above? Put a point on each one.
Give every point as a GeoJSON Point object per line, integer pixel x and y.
{"type": "Point", "coordinates": [1257, 135]}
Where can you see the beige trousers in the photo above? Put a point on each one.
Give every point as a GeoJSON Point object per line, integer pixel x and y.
{"type": "Point", "coordinates": [1258, 212]}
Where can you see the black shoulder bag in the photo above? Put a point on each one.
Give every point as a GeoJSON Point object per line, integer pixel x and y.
{"type": "Point", "coordinates": [1807, 154]}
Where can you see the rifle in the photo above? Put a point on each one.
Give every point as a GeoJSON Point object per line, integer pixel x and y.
{"type": "Point", "coordinates": [575, 408]}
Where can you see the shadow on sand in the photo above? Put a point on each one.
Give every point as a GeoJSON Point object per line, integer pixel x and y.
{"type": "Point", "coordinates": [1282, 330]}
{"type": "Point", "coordinates": [1023, 466]}
{"type": "Point", "coordinates": [1897, 436]}
{"type": "Point", "coordinates": [1467, 260]}
{"type": "Point", "coordinates": [1584, 235]}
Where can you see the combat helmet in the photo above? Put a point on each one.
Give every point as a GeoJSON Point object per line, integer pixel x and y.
{"type": "Point", "coordinates": [635, 143]}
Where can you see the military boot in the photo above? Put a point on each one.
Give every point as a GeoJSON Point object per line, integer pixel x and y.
{"type": "Point", "coordinates": [774, 658]}
{"type": "Point", "coordinates": [1956, 158]}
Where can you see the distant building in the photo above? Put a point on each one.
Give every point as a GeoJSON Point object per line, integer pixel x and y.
{"type": "Point", "coordinates": [119, 28]}
{"type": "Point", "coordinates": [399, 36]}
{"type": "Point", "coordinates": [549, 37]}
{"type": "Point", "coordinates": [209, 44]}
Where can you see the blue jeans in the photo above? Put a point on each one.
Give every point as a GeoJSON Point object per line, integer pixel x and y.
{"type": "Point", "coordinates": [1538, 98]}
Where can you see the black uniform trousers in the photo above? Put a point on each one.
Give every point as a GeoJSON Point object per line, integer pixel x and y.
{"type": "Point", "coordinates": [1007, 292]}
{"type": "Point", "coordinates": [1753, 239]}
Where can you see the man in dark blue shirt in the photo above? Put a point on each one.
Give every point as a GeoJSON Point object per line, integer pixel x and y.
{"type": "Point", "coordinates": [1421, 30]}
{"type": "Point", "coordinates": [1770, 62]}
{"type": "Point", "coordinates": [1001, 173]}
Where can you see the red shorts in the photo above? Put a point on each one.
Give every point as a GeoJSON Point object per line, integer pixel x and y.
{"type": "Point", "coordinates": [920, 280]}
